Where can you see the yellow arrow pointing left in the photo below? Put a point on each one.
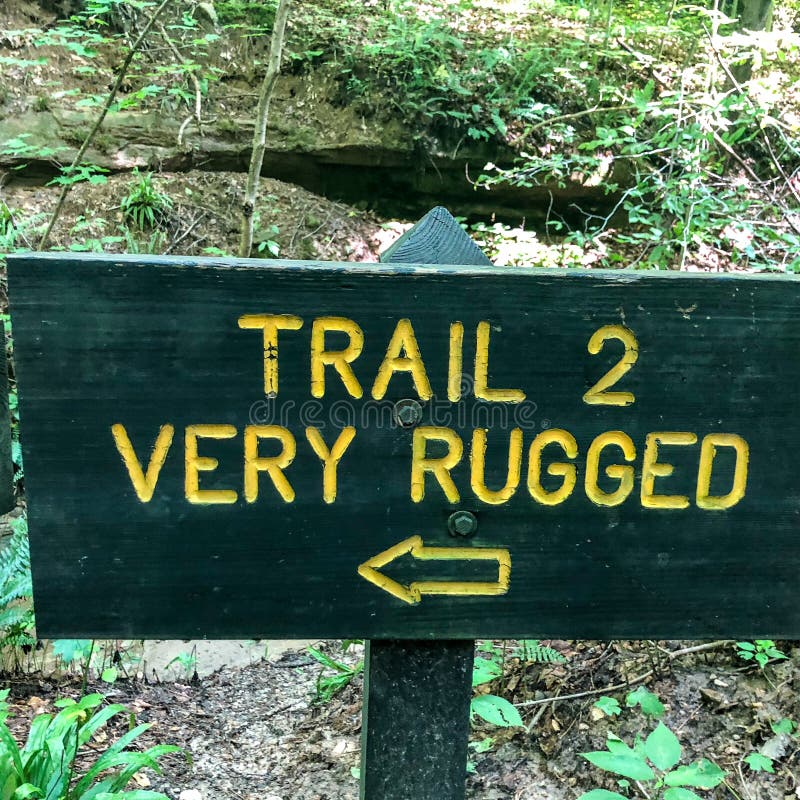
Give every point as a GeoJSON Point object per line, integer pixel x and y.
{"type": "Point", "coordinates": [413, 592]}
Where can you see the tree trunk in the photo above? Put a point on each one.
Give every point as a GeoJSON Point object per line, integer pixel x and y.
{"type": "Point", "coordinates": [260, 133]}
{"type": "Point", "coordinates": [754, 15]}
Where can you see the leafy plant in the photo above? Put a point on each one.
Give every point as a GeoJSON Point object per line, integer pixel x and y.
{"type": "Point", "coordinates": [489, 707]}
{"type": "Point", "coordinates": [784, 726]}
{"type": "Point", "coordinates": [145, 206]}
{"type": "Point", "coordinates": [653, 763]}
{"type": "Point", "coordinates": [762, 651]}
{"type": "Point", "coordinates": [759, 763]}
{"type": "Point", "coordinates": [533, 650]}
{"type": "Point", "coordinates": [81, 173]}
{"type": "Point", "coordinates": [186, 661]}
{"type": "Point", "coordinates": [495, 710]}
{"type": "Point", "coordinates": [16, 593]}
{"type": "Point", "coordinates": [266, 241]}
{"type": "Point", "coordinates": [47, 765]}
{"type": "Point", "coordinates": [649, 702]}
{"type": "Point", "coordinates": [71, 651]}
{"type": "Point", "coordinates": [328, 686]}
{"type": "Point", "coordinates": [608, 705]}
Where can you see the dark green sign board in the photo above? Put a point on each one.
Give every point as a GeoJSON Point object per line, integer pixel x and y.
{"type": "Point", "coordinates": [250, 449]}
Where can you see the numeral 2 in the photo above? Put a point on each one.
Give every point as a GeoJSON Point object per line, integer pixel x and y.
{"type": "Point", "coordinates": [599, 395]}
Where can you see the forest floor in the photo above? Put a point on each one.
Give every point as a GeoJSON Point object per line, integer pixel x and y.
{"type": "Point", "coordinates": [257, 732]}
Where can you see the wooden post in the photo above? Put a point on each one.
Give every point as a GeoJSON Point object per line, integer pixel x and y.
{"type": "Point", "coordinates": [415, 727]}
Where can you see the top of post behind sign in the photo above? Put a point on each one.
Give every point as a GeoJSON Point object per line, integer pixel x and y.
{"type": "Point", "coordinates": [302, 449]}
{"type": "Point", "coordinates": [436, 239]}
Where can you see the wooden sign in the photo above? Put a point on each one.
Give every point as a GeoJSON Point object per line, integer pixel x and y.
{"type": "Point", "coordinates": [260, 449]}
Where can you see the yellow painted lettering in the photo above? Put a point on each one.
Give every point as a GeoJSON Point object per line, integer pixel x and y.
{"type": "Point", "coordinates": [439, 467]}
{"type": "Point", "coordinates": [144, 483]}
{"type": "Point", "coordinates": [330, 458]}
{"type": "Point", "coordinates": [195, 464]}
{"type": "Point", "coordinates": [272, 465]}
{"type": "Point", "coordinates": [652, 469]}
{"type": "Point", "coordinates": [478, 467]}
{"type": "Point", "coordinates": [403, 341]}
{"type": "Point", "coordinates": [455, 362]}
{"type": "Point", "coordinates": [619, 472]}
{"type": "Point", "coordinates": [340, 360]}
{"type": "Point", "coordinates": [566, 441]}
{"type": "Point", "coordinates": [708, 451]}
{"type": "Point", "coordinates": [482, 390]}
{"type": "Point", "coordinates": [270, 324]}
{"type": "Point", "coordinates": [599, 395]}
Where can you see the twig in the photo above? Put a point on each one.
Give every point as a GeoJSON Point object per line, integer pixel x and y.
{"type": "Point", "coordinates": [588, 693]}
{"type": "Point", "coordinates": [260, 132]}
{"type": "Point", "coordinates": [198, 92]}
{"type": "Point", "coordinates": [538, 715]}
{"type": "Point", "coordinates": [184, 234]}
{"type": "Point", "coordinates": [577, 114]}
{"type": "Point", "coordinates": [732, 78]}
{"type": "Point", "coordinates": [65, 189]}
{"type": "Point", "coordinates": [625, 684]}
{"type": "Point", "coordinates": [699, 648]}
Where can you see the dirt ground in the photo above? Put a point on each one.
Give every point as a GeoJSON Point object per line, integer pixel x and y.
{"type": "Point", "coordinates": [204, 218]}
{"type": "Point", "coordinates": [256, 733]}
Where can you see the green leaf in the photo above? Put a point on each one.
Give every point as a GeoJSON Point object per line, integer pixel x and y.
{"type": "Point", "coordinates": [109, 675]}
{"type": "Point", "coordinates": [496, 710]}
{"type": "Point", "coordinates": [703, 774]}
{"type": "Point", "coordinates": [483, 746]}
{"type": "Point", "coordinates": [601, 794]}
{"type": "Point", "coordinates": [630, 766]}
{"type": "Point", "coordinates": [609, 706]}
{"type": "Point", "coordinates": [484, 671]}
{"type": "Point", "coordinates": [663, 748]}
{"type": "Point", "coordinates": [759, 763]}
{"type": "Point", "coordinates": [69, 650]}
{"type": "Point", "coordinates": [617, 746]}
{"type": "Point", "coordinates": [26, 792]}
{"type": "Point", "coordinates": [641, 97]}
{"type": "Point", "coordinates": [784, 725]}
{"type": "Point", "coordinates": [649, 703]}
{"type": "Point", "coordinates": [680, 794]}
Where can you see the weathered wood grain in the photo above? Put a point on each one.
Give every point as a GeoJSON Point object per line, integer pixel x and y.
{"type": "Point", "coordinates": [148, 341]}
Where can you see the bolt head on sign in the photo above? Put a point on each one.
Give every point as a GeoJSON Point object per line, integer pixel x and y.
{"type": "Point", "coordinates": [251, 449]}
{"type": "Point", "coordinates": [462, 523]}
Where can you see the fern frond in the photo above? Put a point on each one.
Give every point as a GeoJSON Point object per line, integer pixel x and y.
{"type": "Point", "coordinates": [532, 650]}
{"type": "Point", "coordinates": [16, 591]}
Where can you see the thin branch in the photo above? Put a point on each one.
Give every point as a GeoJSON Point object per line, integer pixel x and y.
{"type": "Point", "coordinates": [260, 133]}
{"type": "Point", "coordinates": [577, 114]}
{"type": "Point", "coordinates": [198, 92]}
{"type": "Point", "coordinates": [589, 693]}
{"type": "Point", "coordinates": [65, 189]}
{"type": "Point", "coordinates": [765, 137]}
{"type": "Point", "coordinates": [625, 684]}
{"type": "Point", "coordinates": [184, 234]}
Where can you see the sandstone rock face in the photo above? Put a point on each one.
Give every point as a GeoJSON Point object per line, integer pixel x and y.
{"type": "Point", "coordinates": [339, 156]}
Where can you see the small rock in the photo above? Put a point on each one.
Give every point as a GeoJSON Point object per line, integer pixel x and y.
{"type": "Point", "coordinates": [712, 696]}
{"type": "Point", "coordinates": [775, 747]}
{"type": "Point", "coordinates": [190, 794]}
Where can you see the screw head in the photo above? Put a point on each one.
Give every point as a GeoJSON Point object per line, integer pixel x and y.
{"type": "Point", "coordinates": [462, 523]}
{"type": "Point", "coordinates": [407, 413]}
